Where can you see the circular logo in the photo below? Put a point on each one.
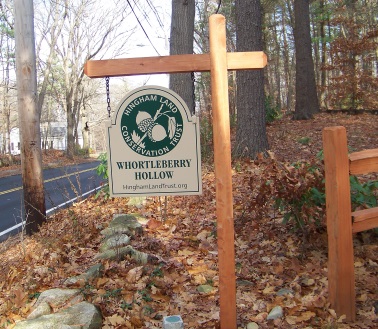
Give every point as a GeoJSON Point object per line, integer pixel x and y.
{"type": "Point", "coordinates": [151, 124]}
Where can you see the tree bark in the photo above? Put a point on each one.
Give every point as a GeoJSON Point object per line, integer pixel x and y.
{"type": "Point", "coordinates": [251, 136]}
{"type": "Point", "coordinates": [306, 100]}
{"type": "Point", "coordinates": [181, 42]}
{"type": "Point", "coordinates": [323, 101]}
{"type": "Point", "coordinates": [288, 62]}
{"type": "Point", "coordinates": [31, 154]}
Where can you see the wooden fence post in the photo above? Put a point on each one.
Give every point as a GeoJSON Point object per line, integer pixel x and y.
{"type": "Point", "coordinates": [341, 281]}
{"type": "Point", "coordinates": [223, 173]}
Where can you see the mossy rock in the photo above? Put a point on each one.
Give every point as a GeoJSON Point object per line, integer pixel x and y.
{"type": "Point", "coordinates": [123, 224]}
{"type": "Point", "coordinates": [115, 241]}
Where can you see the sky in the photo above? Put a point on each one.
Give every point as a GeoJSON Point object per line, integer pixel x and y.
{"type": "Point", "coordinates": [156, 45]}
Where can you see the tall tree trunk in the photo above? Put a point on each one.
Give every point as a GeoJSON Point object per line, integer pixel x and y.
{"type": "Point", "coordinates": [181, 42]}
{"type": "Point", "coordinates": [306, 101]}
{"type": "Point", "coordinates": [251, 136]}
{"type": "Point", "coordinates": [6, 58]}
{"type": "Point", "coordinates": [323, 101]}
{"type": "Point", "coordinates": [70, 124]}
{"type": "Point", "coordinates": [31, 155]}
{"type": "Point", "coordinates": [85, 133]}
{"type": "Point", "coordinates": [277, 96]}
{"type": "Point", "coordinates": [287, 61]}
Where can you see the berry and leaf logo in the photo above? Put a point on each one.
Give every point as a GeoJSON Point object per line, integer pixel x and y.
{"type": "Point", "coordinates": [151, 125]}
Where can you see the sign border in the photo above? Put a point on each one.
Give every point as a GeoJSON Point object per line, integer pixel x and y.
{"type": "Point", "coordinates": [193, 119]}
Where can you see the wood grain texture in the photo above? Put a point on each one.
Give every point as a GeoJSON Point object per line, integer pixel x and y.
{"type": "Point", "coordinates": [363, 162]}
{"type": "Point", "coordinates": [170, 64]}
{"type": "Point", "coordinates": [341, 280]}
{"type": "Point", "coordinates": [365, 219]}
{"type": "Point", "coordinates": [223, 173]}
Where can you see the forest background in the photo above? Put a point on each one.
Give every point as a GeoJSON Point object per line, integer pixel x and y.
{"type": "Point", "coordinates": [343, 45]}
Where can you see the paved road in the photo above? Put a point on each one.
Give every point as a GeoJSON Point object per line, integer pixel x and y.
{"type": "Point", "coordinates": [62, 186]}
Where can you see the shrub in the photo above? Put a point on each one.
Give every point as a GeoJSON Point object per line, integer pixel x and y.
{"type": "Point", "coordinates": [363, 194]}
{"type": "Point", "coordinates": [298, 192]}
{"type": "Point", "coordinates": [272, 111]}
{"type": "Point", "coordinates": [102, 171]}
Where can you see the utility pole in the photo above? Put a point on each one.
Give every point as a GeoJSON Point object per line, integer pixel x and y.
{"type": "Point", "coordinates": [29, 118]}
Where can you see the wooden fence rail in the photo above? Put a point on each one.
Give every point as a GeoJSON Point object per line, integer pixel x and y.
{"type": "Point", "coordinates": [341, 221]}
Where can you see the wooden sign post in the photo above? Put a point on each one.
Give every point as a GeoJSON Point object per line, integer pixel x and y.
{"type": "Point", "coordinates": [218, 62]}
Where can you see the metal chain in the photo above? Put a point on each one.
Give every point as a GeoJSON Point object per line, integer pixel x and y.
{"type": "Point", "coordinates": [194, 92]}
{"type": "Point", "coordinates": [108, 95]}
{"type": "Point", "coordinates": [219, 5]}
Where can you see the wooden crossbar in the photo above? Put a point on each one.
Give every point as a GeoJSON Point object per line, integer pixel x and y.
{"type": "Point", "coordinates": [363, 162]}
{"type": "Point", "coordinates": [341, 221]}
{"type": "Point", "coordinates": [365, 219]}
{"type": "Point", "coordinates": [171, 64]}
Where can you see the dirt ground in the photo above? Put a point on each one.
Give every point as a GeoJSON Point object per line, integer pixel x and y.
{"type": "Point", "coordinates": [285, 134]}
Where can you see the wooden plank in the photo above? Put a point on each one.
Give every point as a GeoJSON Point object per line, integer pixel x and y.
{"type": "Point", "coordinates": [365, 225]}
{"type": "Point", "coordinates": [223, 173]}
{"type": "Point", "coordinates": [361, 215]}
{"type": "Point", "coordinates": [365, 219]}
{"type": "Point", "coordinates": [363, 162]}
{"type": "Point", "coordinates": [170, 64]}
{"type": "Point", "coordinates": [246, 60]}
{"type": "Point", "coordinates": [341, 278]}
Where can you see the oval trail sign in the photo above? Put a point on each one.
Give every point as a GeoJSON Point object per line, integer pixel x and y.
{"type": "Point", "coordinates": [154, 145]}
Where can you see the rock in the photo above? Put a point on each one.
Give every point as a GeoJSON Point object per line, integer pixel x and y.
{"type": "Point", "coordinates": [123, 224]}
{"type": "Point", "coordinates": [120, 253]}
{"type": "Point", "coordinates": [93, 272]}
{"type": "Point", "coordinates": [275, 313]}
{"type": "Point", "coordinates": [42, 309]}
{"type": "Point", "coordinates": [58, 297]}
{"type": "Point", "coordinates": [111, 230]}
{"type": "Point", "coordinates": [252, 325]}
{"type": "Point", "coordinates": [284, 291]}
{"type": "Point", "coordinates": [261, 317]}
{"type": "Point", "coordinates": [82, 315]}
{"type": "Point", "coordinates": [130, 220]}
{"type": "Point", "coordinates": [115, 241]}
{"type": "Point", "coordinates": [117, 236]}
{"type": "Point", "coordinates": [205, 288]}
{"type": "Point", "coordinates": [307, 282]}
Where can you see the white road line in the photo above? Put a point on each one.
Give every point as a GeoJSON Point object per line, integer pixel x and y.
{"type": "Point", "coordinates": [48, 180]}
{"type": "Point", "coordinates": [50, 210]}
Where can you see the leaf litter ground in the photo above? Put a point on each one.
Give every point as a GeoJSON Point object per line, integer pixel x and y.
{"type": "Point", "coordinates": [275, 266]}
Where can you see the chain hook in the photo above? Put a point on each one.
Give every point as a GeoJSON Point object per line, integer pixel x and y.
{"type": "Point", "coordinates": [108, 95]}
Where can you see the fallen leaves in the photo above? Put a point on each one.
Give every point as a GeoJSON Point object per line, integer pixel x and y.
{"type": "Point", "coordinates": [273, 266]}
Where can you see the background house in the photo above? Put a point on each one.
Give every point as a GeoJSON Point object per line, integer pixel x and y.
{"type": "Point", "coordinates": [53, 136]}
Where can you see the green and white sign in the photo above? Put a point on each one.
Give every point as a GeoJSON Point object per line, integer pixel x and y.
{"type": "Point", "coordinates": [154, 145]}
